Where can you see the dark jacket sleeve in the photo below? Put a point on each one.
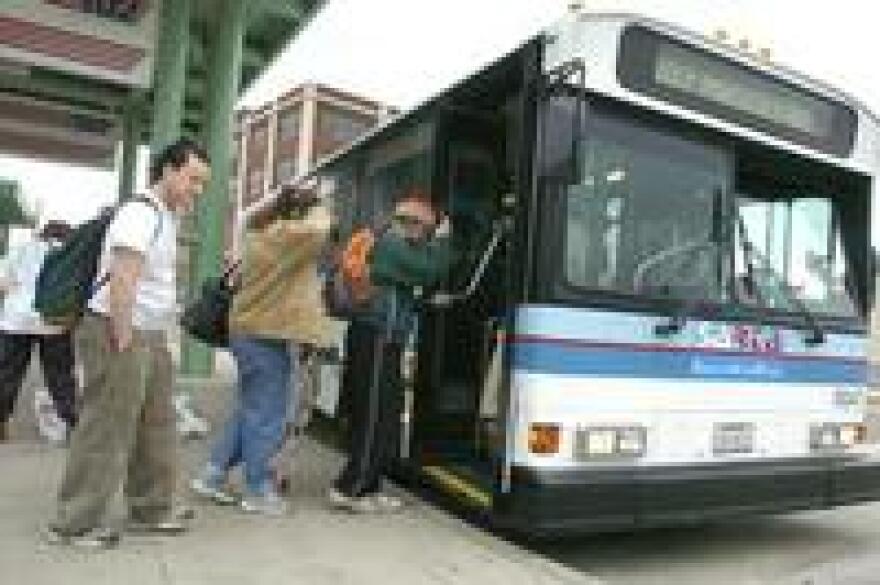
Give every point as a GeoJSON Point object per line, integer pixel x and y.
{"type": "Point", "coordinates": [398, 263]}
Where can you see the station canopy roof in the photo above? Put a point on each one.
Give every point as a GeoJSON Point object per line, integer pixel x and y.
{"type": "Point", "coordinates": [67, 67]}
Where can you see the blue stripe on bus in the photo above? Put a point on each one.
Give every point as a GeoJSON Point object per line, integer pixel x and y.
{"type": "Point", "coordinates": [613, 327]}
{"type": "Point", "coordinates": [561, 358]}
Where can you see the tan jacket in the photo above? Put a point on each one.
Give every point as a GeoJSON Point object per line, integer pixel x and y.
{"type": "Point", "coordinates": [280, 295]}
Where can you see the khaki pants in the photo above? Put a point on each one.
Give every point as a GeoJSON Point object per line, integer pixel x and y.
{"type": "Point", "coordinates": [125, 433]}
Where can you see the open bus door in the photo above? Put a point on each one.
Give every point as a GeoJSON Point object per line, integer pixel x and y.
{"type": "Point", "coordinates": [456, 336]}
{"type": "Point", "coordinates": [460, 410]}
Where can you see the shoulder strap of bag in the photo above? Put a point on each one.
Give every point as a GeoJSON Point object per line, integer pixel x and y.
{"type": "Point", "coordinates": [151, 204]}
{"type": "Point", "coordinates": [140, 199]}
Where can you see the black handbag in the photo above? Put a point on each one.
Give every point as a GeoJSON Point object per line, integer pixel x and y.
{"type": "Point", "coordinates": [207, 318]}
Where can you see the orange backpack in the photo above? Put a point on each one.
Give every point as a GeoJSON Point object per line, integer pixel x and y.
{"type": "Point", "coordinates": [347, 288]}
{"type": "Point", "coordinates": [354, 264]}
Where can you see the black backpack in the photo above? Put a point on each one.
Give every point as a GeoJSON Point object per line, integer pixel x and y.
{"type": "Point", "coordinates": [207, 317]}
{"type": "Point", "coordinates": [67, 278]}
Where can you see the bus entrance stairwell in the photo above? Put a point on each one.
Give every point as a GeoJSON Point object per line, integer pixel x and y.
{"type": "Point", "coordinates": [456, 396]}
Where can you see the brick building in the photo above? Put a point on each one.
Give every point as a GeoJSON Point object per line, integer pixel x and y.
{"type": "Point", "coordinates": [287, 137]}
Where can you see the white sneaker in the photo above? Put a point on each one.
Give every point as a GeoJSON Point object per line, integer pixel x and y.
{"type": "Point", "coordinates": [211, 492]}
{"type": "Point", "coordinates": [189, 424]}
{"type": "Point", "coordinates": [355, 505]}
{"type": "Point", "coordinates": [337, 499]}
{"type": "Point", "coordinates": [49, 424]}
{"type": "Point", "coordinates": [388, 503]}
{"type": "Point", "coordinates": [268, 504]}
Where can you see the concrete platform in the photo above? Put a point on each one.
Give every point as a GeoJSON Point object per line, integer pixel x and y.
{"type": "Point", "coordinates": [314, 545]}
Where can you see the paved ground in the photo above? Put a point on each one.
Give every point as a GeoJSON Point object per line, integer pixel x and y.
{"type": "Point", "coordinates": [423, 545]}
{"type": "Point", "coordinates": [312, 546]}
{"type": "Point", "coordinates": [833, 547]}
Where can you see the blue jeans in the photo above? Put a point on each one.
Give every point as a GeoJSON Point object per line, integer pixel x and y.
{"type": "Point", "coordinates": [255, 429]}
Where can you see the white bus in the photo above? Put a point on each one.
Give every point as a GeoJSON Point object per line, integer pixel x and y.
{"type": "Point", "coordinates": [658, 310]}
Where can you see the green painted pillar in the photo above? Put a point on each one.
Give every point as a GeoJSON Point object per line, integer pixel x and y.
{"type": "Point", "coordinates": [169, 72]}
{"type": "Point", "coordinates": [131, 138]}
{"type": "Point", "coordinates": [224, 74]}
{"type": "Point", "coordinates": [169, 77]}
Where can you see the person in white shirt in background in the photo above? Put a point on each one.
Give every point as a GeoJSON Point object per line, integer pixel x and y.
{"type": "Point", "coordinates": [21, 328]}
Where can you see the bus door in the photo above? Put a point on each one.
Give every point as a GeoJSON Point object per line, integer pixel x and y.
{"type": "Point", "coordinates": [456, 387]}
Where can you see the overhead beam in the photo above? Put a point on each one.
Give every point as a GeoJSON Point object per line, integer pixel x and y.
{"type": "Point", "coordinates": [61, 90]}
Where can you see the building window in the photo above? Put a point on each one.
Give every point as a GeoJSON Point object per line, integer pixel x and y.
{"type": "Point", "coordinates": [256, 160]}
{"type": "Point", "coordinates": [337, 128]}
{"type": "Point", "coordinates": [285, 169]}
{"type": "Point", "coordinates": [287, 144]}
{"type": "Point", "coordinates": [288, 124]}
{"type": "Point", "coordinates": [254, 187]}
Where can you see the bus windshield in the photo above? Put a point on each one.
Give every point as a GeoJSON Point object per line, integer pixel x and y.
{"type": "Point", "coordinates": [658, 214]}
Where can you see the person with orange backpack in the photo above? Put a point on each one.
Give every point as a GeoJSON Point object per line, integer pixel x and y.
{"type": "Point", "coordinates": [381, 270]}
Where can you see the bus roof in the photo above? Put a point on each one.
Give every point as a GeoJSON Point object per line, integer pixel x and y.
{"type": "Point", "coordinates": [772, 68]}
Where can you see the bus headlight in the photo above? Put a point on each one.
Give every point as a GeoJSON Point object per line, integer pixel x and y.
{"type": "Point", "coordinates": [836, 435]}
{"type": "Point", "coordinates": [593, 442]}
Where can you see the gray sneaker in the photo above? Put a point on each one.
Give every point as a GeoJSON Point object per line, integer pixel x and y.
{"type": "Point", "coordinates": [388, 503]}
{"type": "Point", "coordinates": [94, 539]}
{"type": "Point", "coordinates": [209, 491]}
{"type": "Point", "coordinates": [338, 500]}
{"type": "Point", "coordinates": [353, 504]}
{"type": "Point", "coordinates": [269, 504]}
{"type": "Point", "coordinates": [166, 527]}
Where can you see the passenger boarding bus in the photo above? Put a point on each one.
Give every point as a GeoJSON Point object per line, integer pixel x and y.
{"type": "Point", "coordinates": [658, 307]}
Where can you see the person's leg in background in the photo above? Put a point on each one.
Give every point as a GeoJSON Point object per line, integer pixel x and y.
{"type": "Point", "coordinates": [57, 360]}
{"type": "Point", "coordinates": [15, 355]}
{"type": "Point", "coordinates": [302, 398]}
{"type": "Point", "coordinates": [265, 368]}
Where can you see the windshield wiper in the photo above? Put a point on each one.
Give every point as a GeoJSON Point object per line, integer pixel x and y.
{"type": "Point", "coordinates": [817, 334]}
{"type": "Point", "coordinates": [714, 241]}
{"type": "Point", "coordinates": [678, 319]}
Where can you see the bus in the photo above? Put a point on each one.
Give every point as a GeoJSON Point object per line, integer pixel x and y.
{"type": "Point", "coordinates": [658, 309]}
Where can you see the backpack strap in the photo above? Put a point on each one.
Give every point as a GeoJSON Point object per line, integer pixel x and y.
{"type": "Point", "coordinates": [144, 199]}
{"type": "Point", "coordinates": [140, 199]}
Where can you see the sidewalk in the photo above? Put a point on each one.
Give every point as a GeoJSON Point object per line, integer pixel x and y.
{"type": "Point", "coordinates": [313, 546]}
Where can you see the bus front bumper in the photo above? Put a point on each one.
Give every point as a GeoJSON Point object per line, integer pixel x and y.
{"type": "Point", "coordinates": [547, 502]}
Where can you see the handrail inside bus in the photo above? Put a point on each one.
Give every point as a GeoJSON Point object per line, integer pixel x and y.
{"type": "Point", "coordinates": [446, 299]}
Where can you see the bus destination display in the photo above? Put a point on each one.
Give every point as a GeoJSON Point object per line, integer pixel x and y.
{"type": "Point", "coordinates": [697, 79]}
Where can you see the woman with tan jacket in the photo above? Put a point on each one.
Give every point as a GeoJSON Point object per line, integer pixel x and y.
{"type": "Point", "coordinates": [277, 309]}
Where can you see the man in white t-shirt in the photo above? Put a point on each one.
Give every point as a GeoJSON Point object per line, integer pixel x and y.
{"type": "Point", "coordinates": [21, 328]}
{"type": "Point", "coordinates": [126, 434]}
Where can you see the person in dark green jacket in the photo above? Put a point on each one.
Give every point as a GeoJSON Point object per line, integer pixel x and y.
{"type": "Point", "coordinates": [411, 255]}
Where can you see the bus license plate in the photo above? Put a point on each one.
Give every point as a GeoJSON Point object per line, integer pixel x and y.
{"type": "Point", "coordinates": [733, 438]}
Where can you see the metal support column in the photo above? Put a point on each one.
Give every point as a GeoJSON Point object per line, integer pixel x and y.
{"type": "Point", "coordinates": [169, 77]}
{"type": "Point", "coordinates": [224, 74]}
{"type": "Point", "coordinates": [131, 135]}
{"type": "Point", "coordinates": [169, 73]}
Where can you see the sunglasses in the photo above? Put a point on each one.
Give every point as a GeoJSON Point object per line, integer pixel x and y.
{"type": "Point", "coordinates": [408, 220]}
